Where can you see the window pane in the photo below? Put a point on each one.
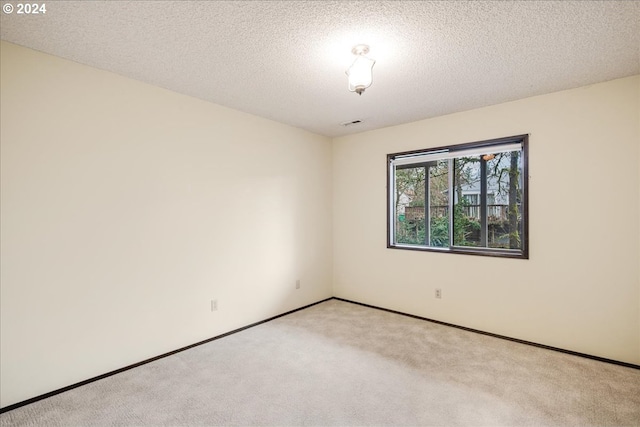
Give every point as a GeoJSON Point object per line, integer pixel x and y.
{"type": "Point", "coordinates": [439, 203]}
{"type": "Point", "coordinates": [499, 225]}
{"type": "Point", "coordinates": [466, 206]}
{"type": "Point", "coordinates": [504, 213]}
{"type": "Point", "coordinates": [409, 206]}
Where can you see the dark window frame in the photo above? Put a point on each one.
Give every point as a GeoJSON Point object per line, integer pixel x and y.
{"type": "Point", "coordinates": [523, 253]}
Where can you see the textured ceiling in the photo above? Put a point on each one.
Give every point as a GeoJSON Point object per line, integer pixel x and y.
{"type": "Point", "coordinates": [286, 60]}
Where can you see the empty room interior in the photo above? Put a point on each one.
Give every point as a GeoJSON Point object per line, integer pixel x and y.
{"type": "Point", "coordinates": [363, 213]}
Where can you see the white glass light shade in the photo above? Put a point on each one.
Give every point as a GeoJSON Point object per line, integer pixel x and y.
{"type": "Point", "coordinates": [360, 74]}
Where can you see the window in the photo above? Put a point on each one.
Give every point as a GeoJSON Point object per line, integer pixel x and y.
{"type": "Point", "coordinates": [468, 198]}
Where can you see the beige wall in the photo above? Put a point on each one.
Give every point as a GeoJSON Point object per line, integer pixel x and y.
{"type": "Point", "coordinates": [126, 208]}
{"type": "Point", "coordinates": [580, 288]}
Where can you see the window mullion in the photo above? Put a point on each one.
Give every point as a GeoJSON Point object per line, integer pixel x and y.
{"type": "Point", "coordinates": [392, 203]}
{"type": "Point", "coordinates": [483, 203]}
{"type": "Point", "coordinates": [427, 207]}
{"type": "Point", "coordinates": [451, 197]}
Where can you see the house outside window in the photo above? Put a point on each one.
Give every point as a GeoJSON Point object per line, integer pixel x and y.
{"type": "Point", "coordinates": [469, 198]}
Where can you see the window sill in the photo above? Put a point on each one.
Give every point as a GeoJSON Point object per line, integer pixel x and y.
{"type": "Point", "coordinates": [465, 251]}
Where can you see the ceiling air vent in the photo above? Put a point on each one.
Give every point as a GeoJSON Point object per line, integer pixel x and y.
{"type": "Point", "coordinates": [354, 122]}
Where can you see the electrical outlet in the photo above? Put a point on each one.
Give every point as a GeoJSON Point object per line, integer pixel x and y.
{"type": "Point", "coordinates": [298, 284]}
{"type": "Point", "coordinates": [214, 305]}
{"type": "Point", "coordinates": [438, 293]}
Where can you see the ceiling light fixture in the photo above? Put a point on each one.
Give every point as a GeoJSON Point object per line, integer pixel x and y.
{"type": "Point", "coordinates": [361, 71]}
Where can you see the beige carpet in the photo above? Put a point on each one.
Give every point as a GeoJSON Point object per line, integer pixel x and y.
{"type": "Point", "coordinates": [338, 363]}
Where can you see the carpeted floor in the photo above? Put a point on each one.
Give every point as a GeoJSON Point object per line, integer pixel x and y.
{"type": "Point", "coordinates": [338, 363]}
